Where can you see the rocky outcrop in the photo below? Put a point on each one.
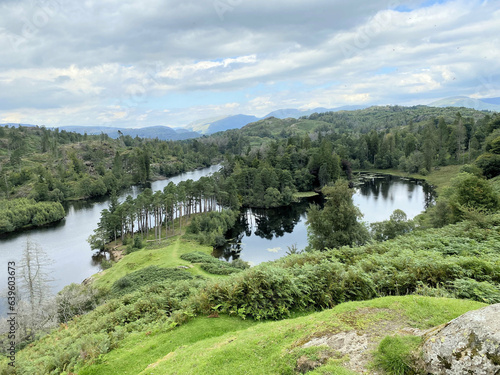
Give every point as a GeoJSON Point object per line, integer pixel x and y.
{"type": "Point", "coordinates": [469, 344]}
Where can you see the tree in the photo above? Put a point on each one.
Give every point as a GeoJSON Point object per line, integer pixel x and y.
{"type": "Point", "coordinates": [469, 192]}
{"type": "Point", "coordinates": [397, 224]}
{"type": "Point", "coordinates": [36, 310]}
{"type": "Point", "coordinates": [337, 223]}
{"type": "Point", "coordinates": [75, 299]}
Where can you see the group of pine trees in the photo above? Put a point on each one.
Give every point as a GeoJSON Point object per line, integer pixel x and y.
{"type": "Point", "coordinates": [162, 212]}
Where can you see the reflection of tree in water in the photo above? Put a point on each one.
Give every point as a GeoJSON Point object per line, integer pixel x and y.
{"type": "Point", "coordinates": [274, 223]}
{"type": "Point", "coordinates": [265, 223]}
{"type": "Point", "coordinates": [381, 185]}
{"type": "Point", "coordinates": [98, 258]}
{"type": "Point", "coordinates": [430, 195]}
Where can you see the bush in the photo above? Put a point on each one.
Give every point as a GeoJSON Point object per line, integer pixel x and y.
{"type": "Point", "coordinates": [198, 257]}
{"type": "Point", "coordinates": [239, 263]}
{"type": "Point", "coordinates": [137, 243]}
{"type": "Point", "coordinates": [212, 265]}
{"type": "Point", "coordinates": [475, 290]}
{"type": "Point", "coordinates": [147, 276]}
{"type": "Point", "coordinates": [105, 264]}
{"type": "Point", "coordinates": [221, 268]}
{"type": "Point", "coordinates": [75, 299]}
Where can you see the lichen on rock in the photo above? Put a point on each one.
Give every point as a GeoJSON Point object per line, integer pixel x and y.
{"type": "Point", "coordinates": [469, 344]}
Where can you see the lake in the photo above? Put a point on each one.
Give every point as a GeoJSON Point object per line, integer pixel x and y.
{"type": "Point", "coordinates": [260, 235]}
{"type": "Point", "coordinates": [65, 243]}
{"type": "Point", "coordinates": [263, 235]}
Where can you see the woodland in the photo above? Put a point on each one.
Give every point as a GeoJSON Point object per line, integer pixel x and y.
{"type": "Point", "coordinates": [168, 281]}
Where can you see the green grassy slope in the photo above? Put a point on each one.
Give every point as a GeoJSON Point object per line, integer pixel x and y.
{"type": "Point", "coordinates": [230, 346]}
{"type": "Point", "coordinates": [166, 256]}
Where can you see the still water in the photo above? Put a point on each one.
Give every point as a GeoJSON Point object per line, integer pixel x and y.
{"type": "Point", "coordinates": [65, 243]}
{"type": "Point", "coordinates": [264, 235]}
{"type": "Point", "coordinates": [260, 235]}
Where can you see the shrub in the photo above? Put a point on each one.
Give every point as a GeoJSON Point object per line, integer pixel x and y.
{"type": "Point", "coordinates": [221, 268]}
{"type": "Point", "coordinates": [137, 243]}
{"type": "Point", "coordinates": [147, 276]}
{"type": "Point", "coordinates": [475, 290]}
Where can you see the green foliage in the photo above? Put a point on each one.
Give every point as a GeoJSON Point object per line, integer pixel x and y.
{"type": "Point", "coordinates": [395, 354]}
{"type": "Point", "coordinates": [22, 212]}
{"type": "Point", "coordinates": [239, 263]}
{"type": "Point", "coordinates": [471, 192]}
{"type": "Point", "coordinates": [397, 225]}
{"type": "Point", "coordinates": [476, 290]}
{"type": "Point", "coordinates": [222, 268]}
{"type": "Point", "coordinates": [198, 257]}
{"type": "Point", "coordinates": [490, 164]}
{"type": "Point", "coordinates": [57, 165]}
{"type": "Point", "coordinates": [434, 261]}
{"type": "Point", "coordinates": [137, 243]}
{"type": "Point", "coordinates": [337, 224]}
{"type": "Point", "coordinates": [75, 299]}
{"type": "Point", "coordinates": [212, 265]}
{"type": "Point", "coordinates": [86, 338]}
{"type": "Point", "coordinates": [147, 276]}
{"type": "Point", "coordinates": [209, 228]}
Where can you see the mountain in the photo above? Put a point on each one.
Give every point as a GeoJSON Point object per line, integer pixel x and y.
{"type": "Point", "coordinates": [161, 132]}
{"type": "Point", "coordinates": [210, 126]}
{"type": "Point", "coordinates": [285, 113]}
{"type": "Point", "coordinates": [201, 126]}
{"type": "Point", "coordinates": [16, 124]}
{"type": "Point", "coordinates": [296, 113]}
{"type": "Point", "coordinates": [231, 122]}
{"type": "Point", "coordinates": [491, 100]}
{"type": "Point", "coordinates": [488, 104]}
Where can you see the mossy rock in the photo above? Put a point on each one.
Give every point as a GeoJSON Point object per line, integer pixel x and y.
{"type": "Point", "coordinates": [469, 344]}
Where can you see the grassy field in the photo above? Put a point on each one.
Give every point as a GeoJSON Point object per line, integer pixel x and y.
{"type": "Point", "coordinates": [166, 256]}
{"type": "Point", "coordinates": [232, 346]}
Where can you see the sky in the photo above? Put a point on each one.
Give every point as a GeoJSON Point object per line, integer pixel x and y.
{"type": "Point", "coordinates": [170, 62]}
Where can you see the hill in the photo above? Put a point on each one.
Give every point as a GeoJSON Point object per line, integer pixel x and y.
{"type": "Point", "coordinates": [491, 104]}
{"type": "Point", "coordinates": [231, 122]}
{"type": "Point", "coordinates": [163, 133]}
{"type": "Point", "coordinates": [218, 124]}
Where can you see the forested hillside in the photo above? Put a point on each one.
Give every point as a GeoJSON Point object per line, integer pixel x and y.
{"type": "Point", "coordinates": [167, 277]}
{"type": "Point", "coordinates": [56, 166]}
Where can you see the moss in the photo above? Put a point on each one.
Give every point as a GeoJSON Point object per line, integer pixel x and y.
{"type": "Point", "coordinates": [474, 344]}
{"type": "Point", "coordinates": [446, 364]}
{"type": "Point", "coordinates": [494, 358]}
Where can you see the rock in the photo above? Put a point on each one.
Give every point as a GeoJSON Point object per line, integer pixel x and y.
{"type": "Point", "coordinates": [305, 364]}
{"type": "Point", "coordinates": [469, 344]}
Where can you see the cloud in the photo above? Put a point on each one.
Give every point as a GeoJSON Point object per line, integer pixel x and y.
{"type": "Point", "coordinates": [274, 249]}
{"type": "Point", "coordinates": [64, 61]}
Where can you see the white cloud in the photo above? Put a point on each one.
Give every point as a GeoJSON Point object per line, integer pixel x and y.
{"type": "Point", "coordinates": [73, 65]}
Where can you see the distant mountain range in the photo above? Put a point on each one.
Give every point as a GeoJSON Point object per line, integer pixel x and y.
{"type": "Point", "coordinates": [222, 123]}
{"type": "Point", "coordinates": [161, 132]}
{"type": "Point", "coordinates": [486, 104]}
{"type": "Point", "coordinates": [214, 125]}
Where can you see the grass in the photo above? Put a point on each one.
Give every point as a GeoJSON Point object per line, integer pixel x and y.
{"type": "Point", "coordinates": [141, 349]}
{"type": "Point", "coordinates": [165, 257]}
{"type": "Point", "coordinates": [305, 194]}
{"type": "Point", "coordinates": [202, 346]}
{"type": "Point", "coordinates": [394, 353]}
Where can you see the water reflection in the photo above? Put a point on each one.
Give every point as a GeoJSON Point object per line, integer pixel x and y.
{"type": "Point", "coordinates": [65, 242]}
{"type": "Point", "coordinates": [263, 235]}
